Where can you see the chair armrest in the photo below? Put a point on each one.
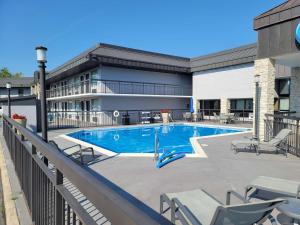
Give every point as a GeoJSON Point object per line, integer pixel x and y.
{"type": "Point", "coordinates": [237, 195]}
{"type": "Point", "coordinates": [88, 149]}
{"type": "Point", "coordinates": [180, 208]}
{"type": "Point", "coordinates": [73, 146]}
{"type": "Point", "coordinates": [251, 138]}
{"type": "Point", "coordinates": [298, 192]}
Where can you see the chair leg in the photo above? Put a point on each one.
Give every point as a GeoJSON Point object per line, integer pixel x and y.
{"type": "Point", "coordinates": [173, 212]}
{"type": "Point", "coordinates": [161, 205]}
{"type": "Point", "coordinates": [272, 220]}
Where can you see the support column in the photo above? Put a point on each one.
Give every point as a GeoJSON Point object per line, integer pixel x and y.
{"type": "Point", "coordinates": [295, 91]}
{"type": "Point", "coordinates": [265, 68]}
{"type": "Point", "coordinates": [224, 105]}
{"type": "Point", "coordinates": [196, 105]}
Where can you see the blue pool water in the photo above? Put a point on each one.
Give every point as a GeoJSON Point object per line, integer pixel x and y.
{"type": "Point", "coordinates": [141, 139]}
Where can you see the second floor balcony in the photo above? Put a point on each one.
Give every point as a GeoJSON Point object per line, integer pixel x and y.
{"type": "Point", "coordinates": [119, 87]}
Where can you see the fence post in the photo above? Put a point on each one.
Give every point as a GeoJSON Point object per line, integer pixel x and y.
{"type": "Point", "coordinates": [297, 139]}
{"type": "Point", "coordinates": [59, 207]}
{"type": "Point", "coordinates": [32, 184]}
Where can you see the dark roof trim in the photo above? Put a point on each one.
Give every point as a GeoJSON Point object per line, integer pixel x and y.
{"type": "Point", "coordinates": [111, 61]}
{"type": "Point", "coordinates": [286, 11]}
{"type": "Point", "coordinates": [18, 98]}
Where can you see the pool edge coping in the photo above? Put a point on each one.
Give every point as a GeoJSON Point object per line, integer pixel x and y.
{"type": "Point", "coordinates": [199, 151]}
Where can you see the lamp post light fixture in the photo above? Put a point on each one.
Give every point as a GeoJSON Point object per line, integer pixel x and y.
{"type": "Point", "coordinates": [41, 58]}
{"type": "Point", "coordinates": [256, 80]}
{"type": "Point", "coordinates": [8, 87]}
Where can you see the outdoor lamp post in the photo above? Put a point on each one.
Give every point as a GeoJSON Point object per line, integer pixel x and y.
{"type": "Point", "coordinates": [256, 80]}
{"type": "Point", "coordinates": [41, 58]}
{"type": "Point", "coordinates": [8, 86]}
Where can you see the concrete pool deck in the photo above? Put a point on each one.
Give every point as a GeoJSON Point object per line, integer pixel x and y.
{"type": "Point", "coordinates": [221, 171]}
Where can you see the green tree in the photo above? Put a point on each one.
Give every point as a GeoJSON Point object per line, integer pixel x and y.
{"type": "Point", "coordinates": [18, 75]}
{"type": "Point", "coordinates": [5, 73]}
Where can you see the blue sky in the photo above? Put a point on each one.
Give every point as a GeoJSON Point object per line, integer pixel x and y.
{"type": "Point", "coordinates": [68, 27]}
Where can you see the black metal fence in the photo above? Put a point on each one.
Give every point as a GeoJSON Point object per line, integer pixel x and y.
{"type": "Point", "coordinates": [209, 114]}
{"type": "Point", "coordinates": [48, 188]}
{"type": "Point", "coordinates": [276, 122]}
{"type": "Point", "coordinates": [242, 116]}
{"type": "Point", "coordinates": [76, 119]}
{"type": "Point", "coordinates": [119, 87]}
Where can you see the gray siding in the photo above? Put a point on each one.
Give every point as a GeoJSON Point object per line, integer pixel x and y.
{"type": "Point", "coordinates": [142, 103]}
{"type": "Point", "coordinates": [121, 74]}
{"type": "Point", "coordinates": [231, 82]}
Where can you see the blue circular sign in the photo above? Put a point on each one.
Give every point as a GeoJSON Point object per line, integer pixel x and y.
{"type": "Point", "coordinates": [298, 33]}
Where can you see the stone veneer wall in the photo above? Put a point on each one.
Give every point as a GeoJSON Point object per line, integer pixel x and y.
{"type": "Point", "coordinates": [224, 105]}
{"type": "Point", "coordinates": [295, 91]}
{"type": "Point", "coordinates": [266, 69]}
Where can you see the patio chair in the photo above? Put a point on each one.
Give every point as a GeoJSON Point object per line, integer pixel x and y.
{"type": "Point", "coordinates": [77, 153]}
{"type": "Point", "coordinates": [197, 207]}
{"type": "Point", "coordinates": [187, 116]}
{"type": "Point", "coordinates": [216, 116]}
{"type": "Point", "coordinates": [266, 188]}
{"type": "Point", "coordinates": [274, 145]}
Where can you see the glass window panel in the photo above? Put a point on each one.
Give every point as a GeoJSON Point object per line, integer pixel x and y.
{"type": "Point", "coordinates": [284, 104]}
{"type": "Point", "coordinates": [240, 104]}
{"type": "Point", "coordinates": [284, 87]}
{"type": "Point", "coordinates": [249, 104]}
{"type": "Point", "coordinates": [95, 74]}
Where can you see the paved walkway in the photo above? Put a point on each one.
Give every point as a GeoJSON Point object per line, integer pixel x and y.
{"type": "Point", "coordinates": [221, 171]}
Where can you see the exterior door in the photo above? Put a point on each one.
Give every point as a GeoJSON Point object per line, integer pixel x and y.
{"type": "Point", "coordinates": [87, 83]}
{"type": "Point", "coordinates": [82, 84]}
{"type": "Point", "coordinates": [87, 109]}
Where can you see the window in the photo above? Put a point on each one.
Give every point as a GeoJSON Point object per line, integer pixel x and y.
{"type": "Point", "coordinates": [20, 91]}
{"type": "Point", "coordinates": [284, 104]}
{"type": "Point", "coordinates": [95, 75]}
{"type": "Point", "coordinates": [241, 107]}
{"type": "Point", "coordinates": [95, 105]}
{"type": "Point", "coordinates": [282, 101]}
{"type": "Point", "coordinates": [282, 87]}
{"type": "Point", "coordinates": [209, 107]}
{"type": "Point", "coordinates": [241, 104]}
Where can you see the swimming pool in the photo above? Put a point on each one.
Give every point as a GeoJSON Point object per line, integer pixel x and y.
{"type": "Point", "coordinates": [140, 139]}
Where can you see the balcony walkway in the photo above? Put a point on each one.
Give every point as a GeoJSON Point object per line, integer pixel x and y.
{"type": "Point", "coordinates": [221, 171]}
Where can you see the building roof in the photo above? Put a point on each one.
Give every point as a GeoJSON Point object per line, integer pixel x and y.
{"type": "Point", "coordinates": [17, 82]}
{"type": "Point", "coordinates": [231, 57]}
{"type": "Point", "coordinates": [113, 55]}
{"type": "Point", "coordinates": [286, 11]}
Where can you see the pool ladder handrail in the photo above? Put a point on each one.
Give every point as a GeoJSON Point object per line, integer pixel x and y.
{"type": "Point", "coordinates": [156, 146]}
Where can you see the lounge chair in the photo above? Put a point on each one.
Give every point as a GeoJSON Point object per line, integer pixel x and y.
{"type": "Point", "coordinates": [266, 188]}
{"type": "Point", "coordinates": [197, 207]}
{"type": "Point", "coordinates": [77, 153]}
{"type": "Point", "coordinates": [274, 145]}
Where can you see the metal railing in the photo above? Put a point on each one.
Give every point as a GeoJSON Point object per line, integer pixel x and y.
{"type": "Point", "coordinates": [77, 119]}
{"type": "Point", "coordinates": [119, 87]}
{"type": "Point", "coordinates": [209, 114]}
{"type": "Point", "coordinates": [274, 123]}
{"type": "Point", "coordinates": [244, 116]}
{"type": "Point", "coordinates": [49, 190]}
